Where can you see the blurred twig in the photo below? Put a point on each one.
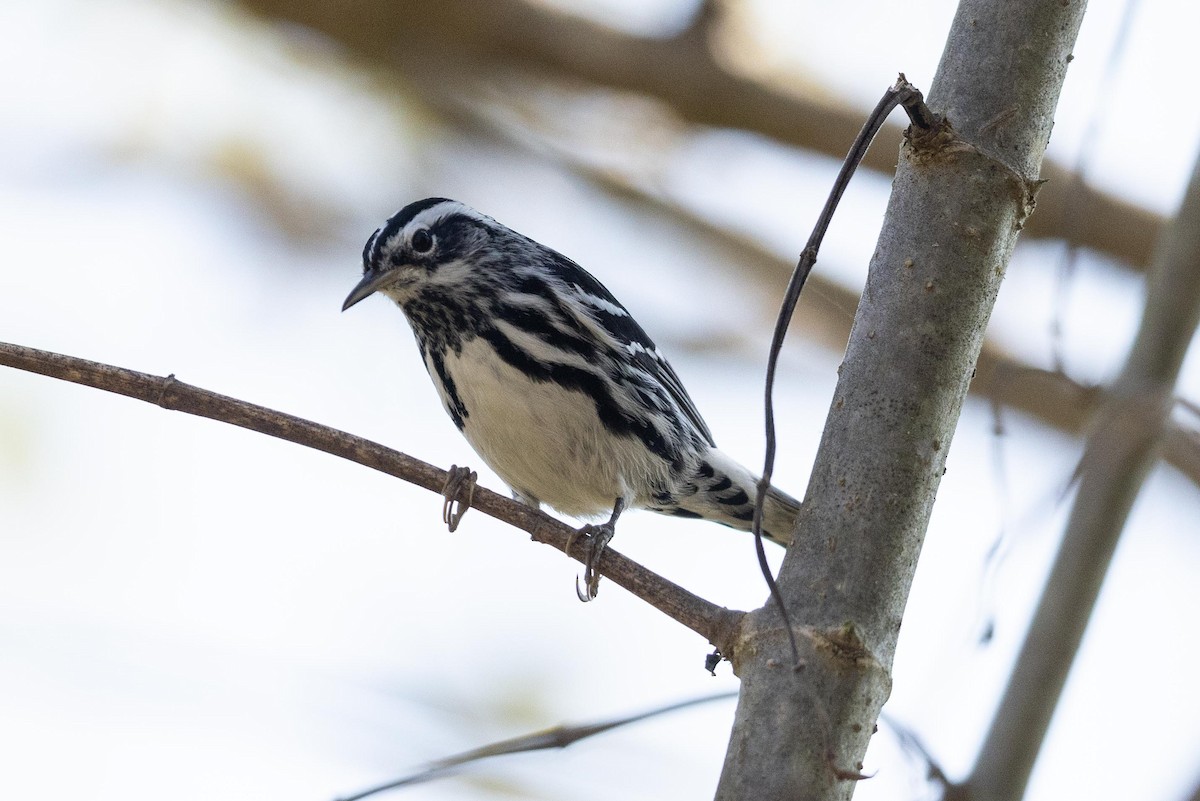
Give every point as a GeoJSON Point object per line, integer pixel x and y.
{"type": "Point", "coordinates": [1080, 170]}
{"type": "Point", "coordinates": [1195, 794]}
{"type": "Point", "coordinates": [717, 624]}
{"type": "Point", "coordinates": [556, 737]}
{"type": "Point", "coordinates": [911, 743]}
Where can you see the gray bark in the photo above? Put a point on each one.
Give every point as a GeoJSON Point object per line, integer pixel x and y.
{"type": "Point", "coordinates": [957, 205]}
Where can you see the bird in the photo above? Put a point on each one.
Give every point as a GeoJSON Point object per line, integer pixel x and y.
{"type": "Point", "coordinates": [552, 381]}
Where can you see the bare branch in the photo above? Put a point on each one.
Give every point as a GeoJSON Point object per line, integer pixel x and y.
{"type": "Point", "coordinates": [716, 624]}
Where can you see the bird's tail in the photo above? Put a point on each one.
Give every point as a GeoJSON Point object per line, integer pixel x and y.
{"type": "Point", "coordinates": [724, 493]}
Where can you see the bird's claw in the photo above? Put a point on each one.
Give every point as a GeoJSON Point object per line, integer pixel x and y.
{"type": "Point", "coordinates": [581, 595]}
{"type": "Point", "coordinates": [459, 491]}
{"type": "Point", "coordinates": [598, 539]}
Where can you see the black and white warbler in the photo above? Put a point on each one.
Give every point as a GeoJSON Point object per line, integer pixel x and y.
{"type": "Point", "coordinates": [551, 380]}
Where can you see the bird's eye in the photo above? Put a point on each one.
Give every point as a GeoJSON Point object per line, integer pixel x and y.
{"type": "Point", "coordinates": [422, 241]}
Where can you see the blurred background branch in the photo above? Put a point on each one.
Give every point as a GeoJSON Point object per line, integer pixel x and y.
{"type": "Point", "coordinates": [693, 73]}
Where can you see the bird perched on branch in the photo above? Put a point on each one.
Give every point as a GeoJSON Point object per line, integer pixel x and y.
{"type": "Point", "coordinates": [551, 380]}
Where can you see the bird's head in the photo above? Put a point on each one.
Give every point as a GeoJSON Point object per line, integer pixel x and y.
{"type": "Point", "coordinates": [429, 243]}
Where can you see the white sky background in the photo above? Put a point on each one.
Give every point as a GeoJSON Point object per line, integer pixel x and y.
{"type": "Point", "coordinates": [188, 610]}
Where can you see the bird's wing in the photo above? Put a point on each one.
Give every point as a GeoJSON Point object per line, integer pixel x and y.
{"type": "Point", "coordinates": [606, 311]}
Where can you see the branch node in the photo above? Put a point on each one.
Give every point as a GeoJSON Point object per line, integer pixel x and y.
{"type": "Point", "coordinates": [842, 774]}
{"type": "Point", "coordinates": [933, 142]}
{"type": "Point", "coordinates": [913, 101]}
{"type": "Point", "coordinates": [165, 386]}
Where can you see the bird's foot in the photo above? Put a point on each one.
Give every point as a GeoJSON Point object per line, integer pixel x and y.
{"type": "Point", "coordinates": [598, 536]}
{"type": "Point", "coordinates": [459, 491]}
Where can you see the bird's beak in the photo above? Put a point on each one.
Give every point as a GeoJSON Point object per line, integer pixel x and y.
{"type": "Point", "coordinates": [371, 282]}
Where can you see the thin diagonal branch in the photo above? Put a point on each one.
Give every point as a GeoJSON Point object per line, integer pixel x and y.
{"type": "Point", "coordinates": [556, 737]}
{"type": "Point", "coordinates": [715, 623]}
{"type": "Point", "coordinates": [1124, 444]}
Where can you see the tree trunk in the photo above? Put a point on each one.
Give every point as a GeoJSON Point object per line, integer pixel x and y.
{"type": "Point", "coordinates": [958, 202]}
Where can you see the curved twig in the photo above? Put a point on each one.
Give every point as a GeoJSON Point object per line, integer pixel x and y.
{"type": "Point", "coordinates": [901, 93]}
